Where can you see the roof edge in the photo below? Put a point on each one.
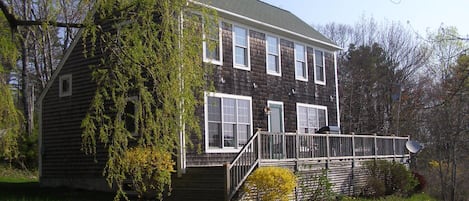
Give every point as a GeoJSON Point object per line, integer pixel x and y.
{"type": "Point", "coordinates": [60, 66]}
{"type": "Point", "coordinates": [334, 46]}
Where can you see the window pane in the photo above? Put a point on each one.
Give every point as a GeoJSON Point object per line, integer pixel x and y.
{"type": "Point", "coordinates": [213, 52]}
{"type": "Point", "coordinates": [272, 45]}
{"type": "Point", "coordinates": [214, 109]}
{"type": "Point", "coordinates": [299, 52]}
{"type": "Point", "coordinates": [318, 57]}
{"type": "Point", "coordinates": [229, 112]}
{"type": "Point", "coordinates": [228, 135]}
{"type": "Point", "coordinates": [272, 63]}
{"type": "Point", "coordinates": [241, 56]}
{"type": "Point", "coordinates": [319, 73]}
{"type": "Point", "coordinates": [129, 117]}
{"type": "Point", "coordinates": [214, 135]}
{"type": "Point", "coordinates": [243, 135]}
{"type": "Point", "coordinates": [241, 36]}
{"type": "Point", "coordinates": [300, 69]}
{"type": "Point", "coordinates": [322, 118]}
{"type": "Point", "coordinates": [243, 111]}
{"type": "Point", "coordinates": [302, 117]}
{"type": "Point", "coordinates": [312, 119]}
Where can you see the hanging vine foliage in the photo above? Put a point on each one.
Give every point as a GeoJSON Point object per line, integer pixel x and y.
{"type": "Point", "coordinates": [10, 117]}
{"type": "Point", "coordinates": [152, 74]}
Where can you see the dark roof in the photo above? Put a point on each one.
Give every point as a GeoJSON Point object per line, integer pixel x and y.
{"type": "Point", "coordinates": [269, 14]}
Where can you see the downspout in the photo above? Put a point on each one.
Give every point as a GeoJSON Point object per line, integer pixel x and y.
{"type": "Point", "coordinates": [337, 89]}
{"type": "Point", "coordinates": [181, 156]}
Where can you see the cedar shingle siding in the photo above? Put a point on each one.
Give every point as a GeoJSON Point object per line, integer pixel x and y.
{"type": "Point", "coordinates": [63, 162]}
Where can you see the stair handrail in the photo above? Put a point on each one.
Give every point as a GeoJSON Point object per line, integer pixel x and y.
{"type": "Point", "coordinates": [233, 184]}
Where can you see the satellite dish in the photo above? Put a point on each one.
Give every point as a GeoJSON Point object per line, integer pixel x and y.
{"type": "Point", "coordinates": [413, 146]}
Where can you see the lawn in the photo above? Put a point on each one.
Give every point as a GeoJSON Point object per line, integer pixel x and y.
{"type": "Point", "coordinates": [17, 185]}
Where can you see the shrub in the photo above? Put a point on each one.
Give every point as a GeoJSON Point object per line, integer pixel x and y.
{"type": "Point", "coordinates": [270, 183]}
{"type": "Point", "coordinates": [388, 178]}
{"type": "Point", "coordinates": [422, 183]}
{"type": "Point", "coordinates": [150, 170]}
{"type": "Point", "coordinates": [319, 189]}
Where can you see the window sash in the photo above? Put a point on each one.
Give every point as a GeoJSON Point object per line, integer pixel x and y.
{"type": "Point", "coordinates": [212, 45]}
{"type": "Point", "coordinates": [231, 128]}
{"type": "Point", "coordinates": [273, 55]}
{"type": "Point", "coordinates": [241, 46]}
{"type": "Point", "coordinates": [300, 62]}
{"type": "Point", "coordinates": [310, 119]}
{"type": "Point", "coordinates": [319, 66]}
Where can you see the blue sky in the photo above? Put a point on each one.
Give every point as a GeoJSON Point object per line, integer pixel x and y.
{"type": "Point", "coordinates": [419, 14]}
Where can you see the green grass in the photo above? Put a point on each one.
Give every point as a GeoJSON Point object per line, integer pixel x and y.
{"type": "Point", "coordinates": [18, 185]}
{"type": "Point", "coordinates": [416, 197]}
{"type": "Point", "coordinates": [12, 175]}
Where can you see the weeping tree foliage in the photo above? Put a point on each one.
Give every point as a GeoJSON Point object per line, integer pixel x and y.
{"type": "Point", "coordinates": [10, 117]}
{"type": "Point", "coordinates": [153, 65]}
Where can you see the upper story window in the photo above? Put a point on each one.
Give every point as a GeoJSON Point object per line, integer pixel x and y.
{"type": "Point", "coordinates": [273, 55]}
{"type": "Point", "coordinates": [241, 48]}
{"type": "Point", "coordinates": [310, 117]}
{"type": "Point", "coordinates": [129, 116]}
{"type": "Point", "coordinates": [228, 122]}
{"type": "Point", "coordinates": [320, 72]}
{"type": "Point", "coordinates": [301, 70]}
{"type": "Point", "coordinates": [212, 45]}
{"type": "Point", "coordinates": [65, 85]}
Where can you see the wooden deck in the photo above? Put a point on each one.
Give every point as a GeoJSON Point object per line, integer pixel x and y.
{"type": "Point", "coordinates": [307, 154]}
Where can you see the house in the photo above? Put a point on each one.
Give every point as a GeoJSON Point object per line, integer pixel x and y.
{"type": "Point", "coordinates": [276, 85]}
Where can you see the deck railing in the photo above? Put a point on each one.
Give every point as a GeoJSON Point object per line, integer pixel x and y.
{"type": "Point", "coordinates": [271, 147]}
{"type": "Point", "coordinates": [244, 163]}
{"type": "Point", "coordinates": [294, 146]}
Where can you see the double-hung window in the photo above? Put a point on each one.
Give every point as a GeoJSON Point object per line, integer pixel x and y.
{"type": "Point", "coordinates": [301, 70]}
{"type": "Point", "coordinates": [273, 55]}
{"type": "Point", "coordinates": [241, 48]}
{"type": "Point", "coordinates": [320, 73]}
{"type": "Point", "coordinates": [212, 45]}
{"type": "Point", "coordinates": [310, 117]}
{"type": "Point", "coordinates": [228, 122]}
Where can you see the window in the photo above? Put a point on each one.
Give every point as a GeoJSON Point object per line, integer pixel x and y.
{"type": "Point", "coordinates": [228, 122]}
{"type": "Point", "coordinates": [212, 45]}
{"type": "Point", "coordinates": [65, 85]}
{"type": "Point", "coordinates": [320, 73]}
{"type": "Point", "coordinates": [130, 110]}
{"type": "Point", "coordinates": [310, 117]}
{"type": "Point", "coordinates": [301, 71]}
{"type": "Point", "coordinates": [273, 55]}
{"type": "Point", "coordinates": [241, 48]}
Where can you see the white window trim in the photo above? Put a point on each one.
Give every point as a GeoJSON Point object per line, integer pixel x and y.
{"type": "Point", "coordinates": [65, 77]}
{"type": "Point", "coordinates": [242, 67]}
{"type": "Point", "coordinates": [279, 60]}
{"type": "Point", "coordinates": [220, 46]}
{"type": "Point", "coordinates": [306, 61]}
{"type": "Point", "coordinates": [283, 113]}
{"type": "Point", "coordinates": [222, 95]}
{"type": "Point", "coordinates": [323, 66]}
{"type": "Point", "coordinates": [321, 107]}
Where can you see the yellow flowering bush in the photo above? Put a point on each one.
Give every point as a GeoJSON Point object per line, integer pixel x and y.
{"type": "Point", "coordinates": [270, 183]}
{"type": "Point", "coordinates": [150, 168]}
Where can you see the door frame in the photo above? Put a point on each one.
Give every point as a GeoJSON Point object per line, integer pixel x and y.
{"type": "Point", "coordinates": [269, 102]}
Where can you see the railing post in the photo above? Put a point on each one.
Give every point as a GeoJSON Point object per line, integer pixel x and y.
{"type": "Point", "coordinates": [376, 145]}
{"type": "Point", "coordinates": [328, 146]}
{"type": "Point", "coordinates": [353, 145]}
{"type": "Point", "coordinates": [394, 147]}
{"type": "Point", "coordinates": [227, 181]}
{"type": "Point", "coordinates": [297, 145]}
{"type": "Point", "coordinates": [259, 146]}
{"type": "Point", "coordinates": [284, 146]}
